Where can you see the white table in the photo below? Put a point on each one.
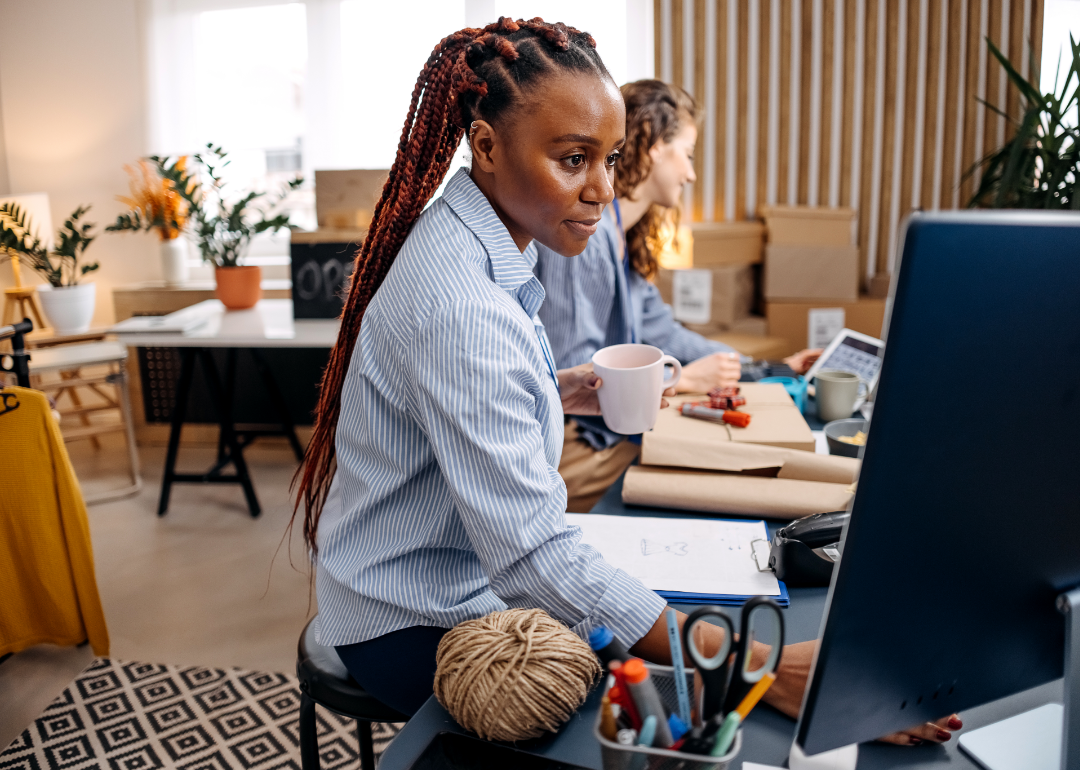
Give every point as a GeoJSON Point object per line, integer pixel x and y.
{"type": "Point", "coordinates": [270, 324]}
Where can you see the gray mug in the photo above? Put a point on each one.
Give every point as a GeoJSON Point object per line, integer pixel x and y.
{"type": "Point", "coordinates": [836, 394]}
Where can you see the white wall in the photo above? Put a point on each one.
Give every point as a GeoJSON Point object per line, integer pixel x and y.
{"type": "Point", "coordinates": [74, 110]}
{"type": "Point", "coordinates": [5, 188]}
{"type": "Point", "coordinates": [73, 105]}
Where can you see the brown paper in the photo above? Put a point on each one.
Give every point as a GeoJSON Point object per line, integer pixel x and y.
{"type": "Point", "coordinates": [774, 421]}
{"type": "Point", "coordinates": [704, 453]}
{"type": "Point", "coordinates": [730, 493]}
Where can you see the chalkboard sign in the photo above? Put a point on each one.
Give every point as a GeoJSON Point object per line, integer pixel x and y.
{"type": "Point", "coordinates": [322, 263]}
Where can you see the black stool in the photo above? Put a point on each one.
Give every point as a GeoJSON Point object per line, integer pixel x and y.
{"type": "Point", "coordinates": [325, 680]}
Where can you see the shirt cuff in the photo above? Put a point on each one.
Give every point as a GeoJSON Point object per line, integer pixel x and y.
{"type": "Point", "coordinates": [627, 608]}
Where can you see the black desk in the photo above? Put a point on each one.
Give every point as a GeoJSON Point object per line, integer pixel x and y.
{"type": "Point", "coordinates": [767, 734]}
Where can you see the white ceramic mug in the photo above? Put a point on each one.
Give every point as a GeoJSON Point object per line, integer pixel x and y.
{"type": "Point", "coordinates": [633, 383]}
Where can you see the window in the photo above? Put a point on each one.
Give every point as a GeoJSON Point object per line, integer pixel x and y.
{"type": "Point", "coordinates": [295, 86]}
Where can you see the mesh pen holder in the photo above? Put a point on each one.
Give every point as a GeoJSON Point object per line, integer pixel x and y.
{"type": "Point", "coordinates": [619, 757]}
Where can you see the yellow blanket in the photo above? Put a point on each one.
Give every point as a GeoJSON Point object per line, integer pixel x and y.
{"type": "Point", "coordinates": [48, 593]}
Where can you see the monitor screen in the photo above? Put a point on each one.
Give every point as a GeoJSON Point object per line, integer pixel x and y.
{"type": "Point", "coordinates": [966, 521]}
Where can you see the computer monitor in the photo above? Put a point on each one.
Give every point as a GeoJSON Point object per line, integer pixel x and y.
{"type": "Point", "coordinates": [965, 525]}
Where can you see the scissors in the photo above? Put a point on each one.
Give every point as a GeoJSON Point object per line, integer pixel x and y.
{"type": "Point", "coordinates": [722, 693]}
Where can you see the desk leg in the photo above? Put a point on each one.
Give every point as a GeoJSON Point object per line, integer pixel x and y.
{"type": "Point", "coordinates": [230, 399]}
{"type": "Point", "coordinates": [183, 387]}
{"type": "Point", "coordinates": [228, 430]}
{"type": "Point", "coordinates": [287, 426]}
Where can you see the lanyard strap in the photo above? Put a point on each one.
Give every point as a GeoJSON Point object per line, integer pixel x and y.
{"type": "Point", "coordinates": [626, 266]}
{"type": "Point", "coordinates": [548, 358]}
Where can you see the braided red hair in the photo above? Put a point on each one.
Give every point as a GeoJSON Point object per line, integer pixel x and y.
{"type": "Point", "coordinates": [473, 73]}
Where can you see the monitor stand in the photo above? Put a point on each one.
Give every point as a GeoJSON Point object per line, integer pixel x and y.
{"type": "Point", "coordinates": [1046, 738]}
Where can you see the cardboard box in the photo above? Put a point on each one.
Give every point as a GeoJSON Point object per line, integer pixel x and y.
{"type": "Point", "coordinates": [727, 243]}
{"type": "Point", "coordinates": [758, 347]}
{"type": "Point", "coordinates": [346, 199]}
{"type": "Point", "coordinates": [791, 321]}
{"type": "Point", "coordinates": [708, 300]}
{"type": "Point", "coordinates": [811, 272]}
{"type": "Point", "coordinates": [809, 225]}
{"type": "Point", "coordinates": [877, 286]}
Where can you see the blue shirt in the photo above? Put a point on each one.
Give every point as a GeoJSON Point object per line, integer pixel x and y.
{"type": "Point", "coordinates": [447, 503]}
{"type": "Point", "coordinates": [590, 306]}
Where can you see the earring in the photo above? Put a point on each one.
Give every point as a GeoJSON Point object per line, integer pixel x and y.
{"type": "Point", "coordinates": [472, 129]}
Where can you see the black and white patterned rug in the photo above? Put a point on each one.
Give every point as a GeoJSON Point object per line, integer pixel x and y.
{"type": "Point", "coordinates": [145, 716]}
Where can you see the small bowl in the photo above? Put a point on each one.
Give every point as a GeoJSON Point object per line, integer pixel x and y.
{"type": "Point", "coordinates": [848, 427]}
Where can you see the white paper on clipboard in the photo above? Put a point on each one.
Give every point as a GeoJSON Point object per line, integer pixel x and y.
{"type": "Point", "coordinates": [692, 555]}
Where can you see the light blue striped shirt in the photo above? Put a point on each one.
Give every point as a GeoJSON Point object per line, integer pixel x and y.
{"type": "Point", "coordinates": [590, 306]}
{"type": "Point", "coordinates": [447, 503]}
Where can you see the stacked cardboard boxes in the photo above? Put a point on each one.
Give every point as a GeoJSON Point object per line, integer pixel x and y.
{"type": "Point", "coordinates": [709, 281]}
{"type": "Point", "coordinates": [812, 277]}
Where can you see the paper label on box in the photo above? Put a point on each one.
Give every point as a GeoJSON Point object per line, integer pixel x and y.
{"type": "Point", "coordinates": [691, 293]}
{"type": "Point", "coordinates": [824, 323]}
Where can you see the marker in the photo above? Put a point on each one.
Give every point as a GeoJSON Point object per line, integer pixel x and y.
{"type": "Point", "coordinates": [726, 734]}
{"type": "Point", "coordinates": [647, 699]}
{"type": "Point", "coordinates": [608, 728]}
{"type": "Point", "coordinates": [626, 737]}
{"type": "Point", "coordinates": [677, 663]}
{"type": "Point", "coordinates": [677, 727]}
{"type": "Point", "coordinates": [648, 731]}
{"type": "Point", "coordinates": [625, 699]}
{"type": "Point", "coordinates": [606, 646]}
{"type": "Point", "coordinates": [731, 724]}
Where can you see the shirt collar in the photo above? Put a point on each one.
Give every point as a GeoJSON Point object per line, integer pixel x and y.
{"type": "Point", "coordinates": [510, 267]}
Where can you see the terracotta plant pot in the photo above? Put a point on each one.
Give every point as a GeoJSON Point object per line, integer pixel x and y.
{"type": "Point", "coordinates": [238, 288]}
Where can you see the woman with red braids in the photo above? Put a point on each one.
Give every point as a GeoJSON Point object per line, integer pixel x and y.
{"type": "Point", "coordinates": [430, 489]}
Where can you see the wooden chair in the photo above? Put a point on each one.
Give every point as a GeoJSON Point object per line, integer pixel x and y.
{"type": "Point", "coordinates": [69, 361]}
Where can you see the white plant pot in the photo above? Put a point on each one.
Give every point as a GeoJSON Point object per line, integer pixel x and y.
{"type": "Point", "coordinates": [174, 261]}
{"type": "Point", "coordinates": [69, 308]}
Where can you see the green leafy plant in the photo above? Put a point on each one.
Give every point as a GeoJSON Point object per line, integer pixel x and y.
{"type": "Point", "coordinates": [1039, 167]}
{"type": "Point", "coordinates": [60, 266]}
{"type": "Point", "coordinates": [221, 225]}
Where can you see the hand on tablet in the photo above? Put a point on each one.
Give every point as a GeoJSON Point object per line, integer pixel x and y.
{"type": "Point", "coordinates": [804, 359]}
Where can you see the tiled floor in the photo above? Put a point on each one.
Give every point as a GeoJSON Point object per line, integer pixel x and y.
{"type": "Point", "coordinates": [205, 585]}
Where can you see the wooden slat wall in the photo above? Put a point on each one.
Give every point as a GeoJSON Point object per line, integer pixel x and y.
{"type": "Point", "coordinates": [871, 104]}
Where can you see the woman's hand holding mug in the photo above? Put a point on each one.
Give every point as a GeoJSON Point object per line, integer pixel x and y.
{"type": "Point", "coordinates": [633, 384]}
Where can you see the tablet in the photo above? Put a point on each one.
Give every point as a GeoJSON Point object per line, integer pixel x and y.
{"type": "Point", "coordinates": [851, 351]}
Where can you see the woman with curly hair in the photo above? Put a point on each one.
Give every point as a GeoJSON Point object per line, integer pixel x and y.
{"type": "Point", "coordinates": [605, 297]}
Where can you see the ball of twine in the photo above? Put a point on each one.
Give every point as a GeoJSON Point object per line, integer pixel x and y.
{"type": "Point", "coordinates": [513, 675]}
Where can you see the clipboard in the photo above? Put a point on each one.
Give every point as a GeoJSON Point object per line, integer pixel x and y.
{"type": "Point", "coordinates": [691, 560]}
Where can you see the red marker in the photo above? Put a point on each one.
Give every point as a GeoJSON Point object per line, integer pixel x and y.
{"type": "Point", "coordinates": [731, 417]}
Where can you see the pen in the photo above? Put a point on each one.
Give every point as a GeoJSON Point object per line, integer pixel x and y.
{"type": "Point", "coordinates": [608, 728]}
{"type": "Point", "coordinates": [626, 737]}
{"type": "Point", "coordinates": [677, 664]}
{"type": "Point", "coordinates": [648, 731]}
{"type": "Point", "coordinates": [754, 695]}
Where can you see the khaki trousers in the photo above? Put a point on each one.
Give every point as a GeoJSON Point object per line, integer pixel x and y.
{"type": "Point", "coordinates": [587, 472]}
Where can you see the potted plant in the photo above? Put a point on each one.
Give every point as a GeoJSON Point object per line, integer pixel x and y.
{"type": "Point", "coordinates": [223, 224]}
{"type": "Point", "coordinates": [156, 205]}
{"type": "Point", "coordinates": [68, 304]}
{"type": "Point", "coordinates": [1039, 167]}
